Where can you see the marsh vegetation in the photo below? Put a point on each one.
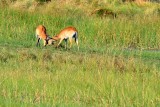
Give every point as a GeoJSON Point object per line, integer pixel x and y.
{"type": "Point", "coordinates": [118, 62]}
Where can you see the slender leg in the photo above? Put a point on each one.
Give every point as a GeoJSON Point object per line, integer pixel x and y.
{"type": "Point", "coordinates": [65, 43]}
{"type": "Point", "coordinates": [77, 43]}
{"type": "Point", "coordinates": [59, 42]}
{"type": "Point", "coordinates": [70, 40]}
{"type": "Point", "coordinates": [45, 42]}
{"type": "Point", "coordinates": [38, 44]}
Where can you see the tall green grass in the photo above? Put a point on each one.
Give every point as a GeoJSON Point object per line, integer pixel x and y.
{"type": "Point", "coordinates": [40, 77]}
{"type": "Point", "coordinates": [137, 32]}
{"type": "Point", "coordinates": [114, 66]}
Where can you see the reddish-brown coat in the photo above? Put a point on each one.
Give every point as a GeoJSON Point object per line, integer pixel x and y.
{"type": "Point", "coordinates": [67, 33]}
{"type": "Point", "coordinates": [41, 32]}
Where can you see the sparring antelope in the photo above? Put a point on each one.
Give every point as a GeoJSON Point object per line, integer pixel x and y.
{"type": "Point", "coordinates": [41, 34]}
{"type": "Point", "coordinates": [66, 34]}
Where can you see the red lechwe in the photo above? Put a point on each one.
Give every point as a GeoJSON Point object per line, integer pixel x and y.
{"type": "Point", "coordinates": [65, 34]}
{"type": "Point", "coordinates": [41, 34]}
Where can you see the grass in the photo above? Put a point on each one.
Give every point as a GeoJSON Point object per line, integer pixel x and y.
{"type": "Point", "coordinates": [117, 64]}
{"type": "Point", "coordinates": [75, 79]}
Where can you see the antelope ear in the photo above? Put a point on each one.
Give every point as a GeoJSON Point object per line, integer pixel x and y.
{"type": "Point", "coordinates": [48, 38]}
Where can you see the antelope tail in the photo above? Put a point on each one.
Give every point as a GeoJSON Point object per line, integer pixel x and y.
{"type": "Point", "coordinates": [76, 38]}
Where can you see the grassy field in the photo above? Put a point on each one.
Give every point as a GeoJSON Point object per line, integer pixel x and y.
{"type": "Point", "coordinates": [118, 63]}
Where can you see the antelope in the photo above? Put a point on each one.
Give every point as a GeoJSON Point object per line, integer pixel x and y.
{"type": "Point", "coordinates": [65, 34]}
{"type": "Point", "coordinates": [41, 34]}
